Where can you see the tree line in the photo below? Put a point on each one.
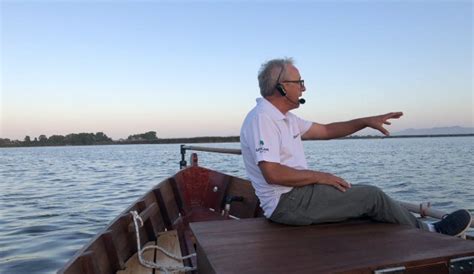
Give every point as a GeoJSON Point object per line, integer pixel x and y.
{"type": "Point", "coordinates": [100, 138]}
{"type": "Point", "coordinates": [73, 139]}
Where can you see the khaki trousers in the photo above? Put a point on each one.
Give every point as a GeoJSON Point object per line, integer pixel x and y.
{"type": "Point", "coordinates": [314, 204]}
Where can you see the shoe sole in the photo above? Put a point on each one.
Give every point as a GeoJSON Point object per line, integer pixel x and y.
{"type": "Point", "coordinates": [466, 228]}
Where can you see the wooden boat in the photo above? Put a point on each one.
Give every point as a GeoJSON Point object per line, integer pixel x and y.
{"type": "Point", "coordinates": [218, 217]}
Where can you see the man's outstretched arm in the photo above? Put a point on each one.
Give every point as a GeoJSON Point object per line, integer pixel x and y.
{"type": "Point", "coordinates": [275, 173]}
{"type": "Point", "coordinates": [341, 129]}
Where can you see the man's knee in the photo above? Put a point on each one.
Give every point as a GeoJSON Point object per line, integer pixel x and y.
{"type": "Point", "coordinates": [372, 191]}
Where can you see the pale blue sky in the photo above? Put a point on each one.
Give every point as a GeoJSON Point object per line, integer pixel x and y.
{"type": "Point", "coordinates": [190, 68]}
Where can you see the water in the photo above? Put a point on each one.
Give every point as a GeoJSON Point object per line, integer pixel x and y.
{"type": "Point", "coordinates": [53, 200]}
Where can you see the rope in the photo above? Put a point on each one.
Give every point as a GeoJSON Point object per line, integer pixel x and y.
{"type": "Point", "coordinates": [149, 264]}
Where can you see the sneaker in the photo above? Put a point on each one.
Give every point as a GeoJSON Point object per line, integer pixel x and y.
{"type": "Point", "coordinates": [454, 224]}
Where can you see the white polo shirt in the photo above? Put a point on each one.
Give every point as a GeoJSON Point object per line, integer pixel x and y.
{"type": "Point", "coordinates": [268, 135]}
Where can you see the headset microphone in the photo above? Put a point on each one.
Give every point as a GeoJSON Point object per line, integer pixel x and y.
{"type": "Point", "coordinates": [282, 91]}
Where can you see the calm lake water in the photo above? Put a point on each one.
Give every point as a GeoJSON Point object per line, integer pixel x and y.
{"type": "Point", "coordinates": [53, 200]}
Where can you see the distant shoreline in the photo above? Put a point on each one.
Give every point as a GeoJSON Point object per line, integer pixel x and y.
{"type": "Point", "coordinates": [220, 139]}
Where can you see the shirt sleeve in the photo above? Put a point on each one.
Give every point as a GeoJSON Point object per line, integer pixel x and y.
{"type": "Point", "coordinates": [303, 125]}
{"type": "Point", "coordinates": [265, 139]}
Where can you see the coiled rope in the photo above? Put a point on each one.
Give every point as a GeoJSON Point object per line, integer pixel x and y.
{"type": "Point", "coordinates": [167, 269]}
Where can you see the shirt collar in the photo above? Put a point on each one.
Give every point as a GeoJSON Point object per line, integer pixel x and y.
{"type": "Point", "coordinates": [270, 109]}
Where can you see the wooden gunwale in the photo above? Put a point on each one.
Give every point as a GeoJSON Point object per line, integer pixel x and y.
{"type": "Point", "coordinates": [121, 222]}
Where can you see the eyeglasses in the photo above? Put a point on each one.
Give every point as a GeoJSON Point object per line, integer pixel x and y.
{"type": "Point", "coordinates": [301, 82]}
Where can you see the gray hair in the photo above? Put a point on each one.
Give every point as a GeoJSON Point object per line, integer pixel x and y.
{"type": "Point", "coordinates": [269, 73]}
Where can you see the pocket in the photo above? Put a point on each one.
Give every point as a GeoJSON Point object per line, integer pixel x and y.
{"type": "Point", "coordinates": [289, 217]}
{"type": "Point", "coordinates": [282, 206]}
{"type": "Point", "coordinates": [300, 198]}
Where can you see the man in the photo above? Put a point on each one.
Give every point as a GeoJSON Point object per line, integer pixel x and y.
{"type": "Point", "coordinates": [271, 140]}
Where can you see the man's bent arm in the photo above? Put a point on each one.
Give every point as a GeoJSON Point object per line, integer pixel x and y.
{"type": "Point", "coordinates": [341, 129]}
{"type": "Point", "coordinates": [275, 173]}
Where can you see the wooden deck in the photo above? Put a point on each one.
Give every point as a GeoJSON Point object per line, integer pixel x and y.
{"type": "Point", "coordinates": [260, 246]}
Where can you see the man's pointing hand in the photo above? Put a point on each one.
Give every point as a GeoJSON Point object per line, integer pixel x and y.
{"type": "Point", "coordinates": [377, 122]}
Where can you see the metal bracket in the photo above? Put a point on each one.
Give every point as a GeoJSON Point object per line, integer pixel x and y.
{"type": "Point", "coordinates": [391, 270]}
{"type": "Point", "coordinates": [423, 208]}
{"type": "Point", "coordinates": [461, 265]}
{"type": "Point", "coordinates": [182, 163]}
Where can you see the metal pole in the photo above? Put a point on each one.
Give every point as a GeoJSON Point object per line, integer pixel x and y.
{"type": "Point", "coordinates": [213, 149]}
{"type": "Point", "coordinates": [425, 210]}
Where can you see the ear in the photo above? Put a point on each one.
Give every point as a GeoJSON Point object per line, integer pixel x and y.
{"type": "Point", "coordinates": [281, 89]}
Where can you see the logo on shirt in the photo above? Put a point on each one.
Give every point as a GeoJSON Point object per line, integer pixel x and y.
{"type": "Point", "coordinates": [294, 136]}
{"type": "Point", "coordinates": [261, 148]}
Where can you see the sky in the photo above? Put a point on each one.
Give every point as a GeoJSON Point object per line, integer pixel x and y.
{"type": "Point", "coordinates": [189, 68]}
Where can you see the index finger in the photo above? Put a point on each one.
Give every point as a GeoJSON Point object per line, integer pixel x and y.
{"type": "Point", "coordinates": [394, 115]}
{"type": "Point", "coordinates": [344, 183]}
